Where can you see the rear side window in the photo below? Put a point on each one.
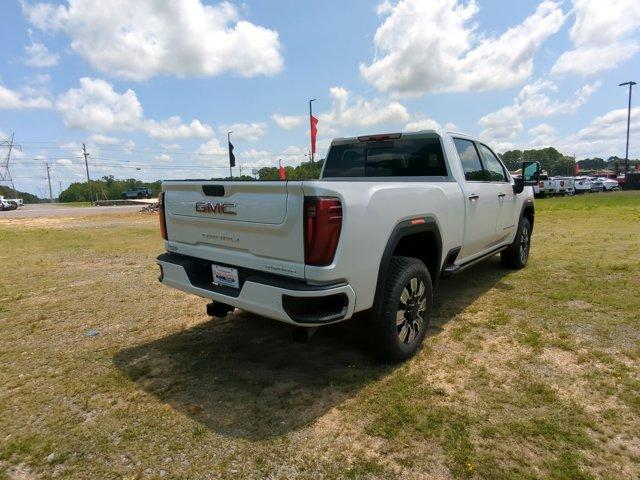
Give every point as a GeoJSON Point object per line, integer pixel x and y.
{"type": "Point", "coordinates": [403, 157]}
{"type": "Point", "coordinates": [493, 168]}
{"type": "Point", "coordinates": [470, 160]}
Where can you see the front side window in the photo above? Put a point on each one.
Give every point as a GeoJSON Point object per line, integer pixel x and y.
{"type": "Point", "coordinates": [494, 172]}
{"type": "Point", "coordinates": [470, 160]}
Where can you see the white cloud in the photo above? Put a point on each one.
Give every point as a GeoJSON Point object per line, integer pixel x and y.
{"type": "Point", "coordinates": [96, 106]}
{"type": "Point", "coordinates": [531, 102]}
{"type": "Point", "coordinates": [98, 140]}
{"type": "Point", "coordinates": [604, 136]}
{"type": "Point", "coordinates": [422, 124]}
{"type": "Point", "coordinates": [212, 148]}
{"type": "Point", "coordinates": [359, 112]}
{"type": "Point", "coordinates": [383, 8]}
{"type": "Point", "coordinates": [141, 39]}
{"type": "Point", "coordinates": [602, 35]}
{"type": "Point", "coordinates": [173, 128]}
{"type": "Point", "coordinates": [38, 55]}
{"type": "Point", "coordinates": [64, 161]}
{"type": "Point", "coordinates": [171, 146]}
{"type": "Point", "coordinates": [163, 157]}
{"type": "Point", "coordinates": [542, 135]}
{"type": "Point", "coordinates": [28, 98]}
{"type": "Point", "coordinates": [245, 131]}
{"type": "Point", "coordinates": [433, 46]}
{"type": "Point", "coordinates": [348, 111]}
{"type": "Point", "coordinates": [103, 139]}
{"type": "Point", "coordinates": [287, 122]}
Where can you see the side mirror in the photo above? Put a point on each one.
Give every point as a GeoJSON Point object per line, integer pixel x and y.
{"type": "Point", "coordinates": [530, 173]}
{"type": "Point", "coordinates": [530, 176]}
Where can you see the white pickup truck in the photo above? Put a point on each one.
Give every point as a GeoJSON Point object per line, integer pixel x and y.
{"type": "Point", "coordinates": [390, 215]}
{"type": "Point", "coordinates": [10, 203]}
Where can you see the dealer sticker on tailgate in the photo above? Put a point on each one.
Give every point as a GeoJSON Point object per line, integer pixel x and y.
{"type": "Point", "coordinates": [225, 276]}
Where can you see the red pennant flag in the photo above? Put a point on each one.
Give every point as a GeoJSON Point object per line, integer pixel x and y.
{"type": "Point", "coordinates": [576, 170]}
{"type": "Point", "coordinates": [314, 132]}
{"type": "Point", "coordinates": [282, 173]}
{"type": "Point", "coordinates": [637, 167]}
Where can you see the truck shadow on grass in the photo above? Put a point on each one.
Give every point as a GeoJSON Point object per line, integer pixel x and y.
{"type": "Point", "coordinates": [244, 377]}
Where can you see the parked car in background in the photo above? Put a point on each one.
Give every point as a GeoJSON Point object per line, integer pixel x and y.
{"type": "Point", "coordinates": [610, 185]}
{"type": "Point", "coordinates": [545, 187]}
{"type": "Point", "coordinates": [17, 202]}
{"type": "Point", "coordinates": [582, 185]}
{"type": "Point", "coordinates": [7, 205]}
{"type": "Point", "coordinates": [141, 192]}
{"type": "Point", "coordinates": [563, 186]}
{"type": "Point", "coordinates": [596, 185]}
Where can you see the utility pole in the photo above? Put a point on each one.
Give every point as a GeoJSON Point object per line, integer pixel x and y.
{"type": "Point", "coordinates": [311, 127]}
{"type": "Point", "coordinates": [49, 179]}
{"type": "Point", "coordinates": [626, 155]}
{"type": "Point", "coordinates": [86, 165]}
{"type": "Point", "coordinates": [59, 189]}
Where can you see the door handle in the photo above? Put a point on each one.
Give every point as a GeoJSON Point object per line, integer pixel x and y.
{"type": "Point", "coordinates": [473, 197]}
{"type": "Point", "coordinates": [502, 195]}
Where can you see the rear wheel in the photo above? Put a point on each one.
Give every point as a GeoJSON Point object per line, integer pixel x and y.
{"type": "Point", "coordinates": [517, 254]}
{"type": "Point", "coordinates": [402, 316]}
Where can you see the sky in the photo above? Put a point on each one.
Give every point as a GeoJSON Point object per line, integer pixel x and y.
{"type": "Point", "coordinates": [153, 87]}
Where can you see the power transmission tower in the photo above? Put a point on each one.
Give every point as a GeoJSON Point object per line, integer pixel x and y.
{"type": "Point", "coordinates": [86, 164]}
{"type": "Point", "coordinates": [49, 179]}
{"type": "Point", "coordinates": [5, 172]}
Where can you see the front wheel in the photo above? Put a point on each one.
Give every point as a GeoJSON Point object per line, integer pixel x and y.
{"type": "Point", "coordinates": [517, 254]}
{"type": "Point", "coordinates": [402, 316]}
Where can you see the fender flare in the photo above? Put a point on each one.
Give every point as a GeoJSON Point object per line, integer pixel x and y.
{"type": "Point", "coordinates": [528, 203]}
{"type": "Point", "coordinates": [400, 231]}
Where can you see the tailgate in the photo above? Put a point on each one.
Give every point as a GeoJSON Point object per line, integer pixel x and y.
{"type": "Point", "coordinates": [256, 225]}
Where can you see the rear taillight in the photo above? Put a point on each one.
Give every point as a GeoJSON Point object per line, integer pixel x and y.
{"type": "Point", "coordinates": [541, 184]}
{"type": "Point", "coordinates": [562, 183]}
{"type": "Point", "coordinates": [322, 225]}
{"type": "Point", "coordinates": [163, 221]}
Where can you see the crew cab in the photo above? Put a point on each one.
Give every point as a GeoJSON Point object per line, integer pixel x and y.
{"type": "Point", "coordinates": [390, 215]}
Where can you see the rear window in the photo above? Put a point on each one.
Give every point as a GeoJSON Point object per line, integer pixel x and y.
{"type": "Point", "coordinates": [421, 157]}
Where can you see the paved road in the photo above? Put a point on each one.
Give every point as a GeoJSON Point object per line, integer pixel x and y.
{"type": "Point", "coordinates": [45, 210]}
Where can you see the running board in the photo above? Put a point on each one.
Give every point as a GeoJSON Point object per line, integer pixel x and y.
{"type": "Point", "coordinates": [452, 268]}
{"type": "Point", "coordinates": [449, 270]}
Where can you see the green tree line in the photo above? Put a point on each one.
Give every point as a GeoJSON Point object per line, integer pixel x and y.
{"type": "Point", "coordinates": [106, 188]}
{"type": "Point", "coordinates": [304, 171]}
{"type": "Point", "coordinates": [556, 163]}
{"type": "Point", "coordinates": [26, 197]}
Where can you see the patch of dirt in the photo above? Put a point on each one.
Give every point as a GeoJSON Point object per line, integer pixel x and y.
{"type": "Point", "coordinates": [579, 304]}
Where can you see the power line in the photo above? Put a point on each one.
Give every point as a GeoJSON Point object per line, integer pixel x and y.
{"type": "Point", "coordinates": [5, 172]}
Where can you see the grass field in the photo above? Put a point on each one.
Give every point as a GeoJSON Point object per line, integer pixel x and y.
{"type": "Point", "coordinates": [528, 374]}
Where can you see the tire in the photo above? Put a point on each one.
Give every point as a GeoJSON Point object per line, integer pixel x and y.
{"type": "Point", "coordinates": [124, 196]}
{"type": "Point", "coordinates": [401, 317]}
{"type": "Point", "coordinates": [139, 195]}
{"type": "Point", "coordinates": [517, 254]}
